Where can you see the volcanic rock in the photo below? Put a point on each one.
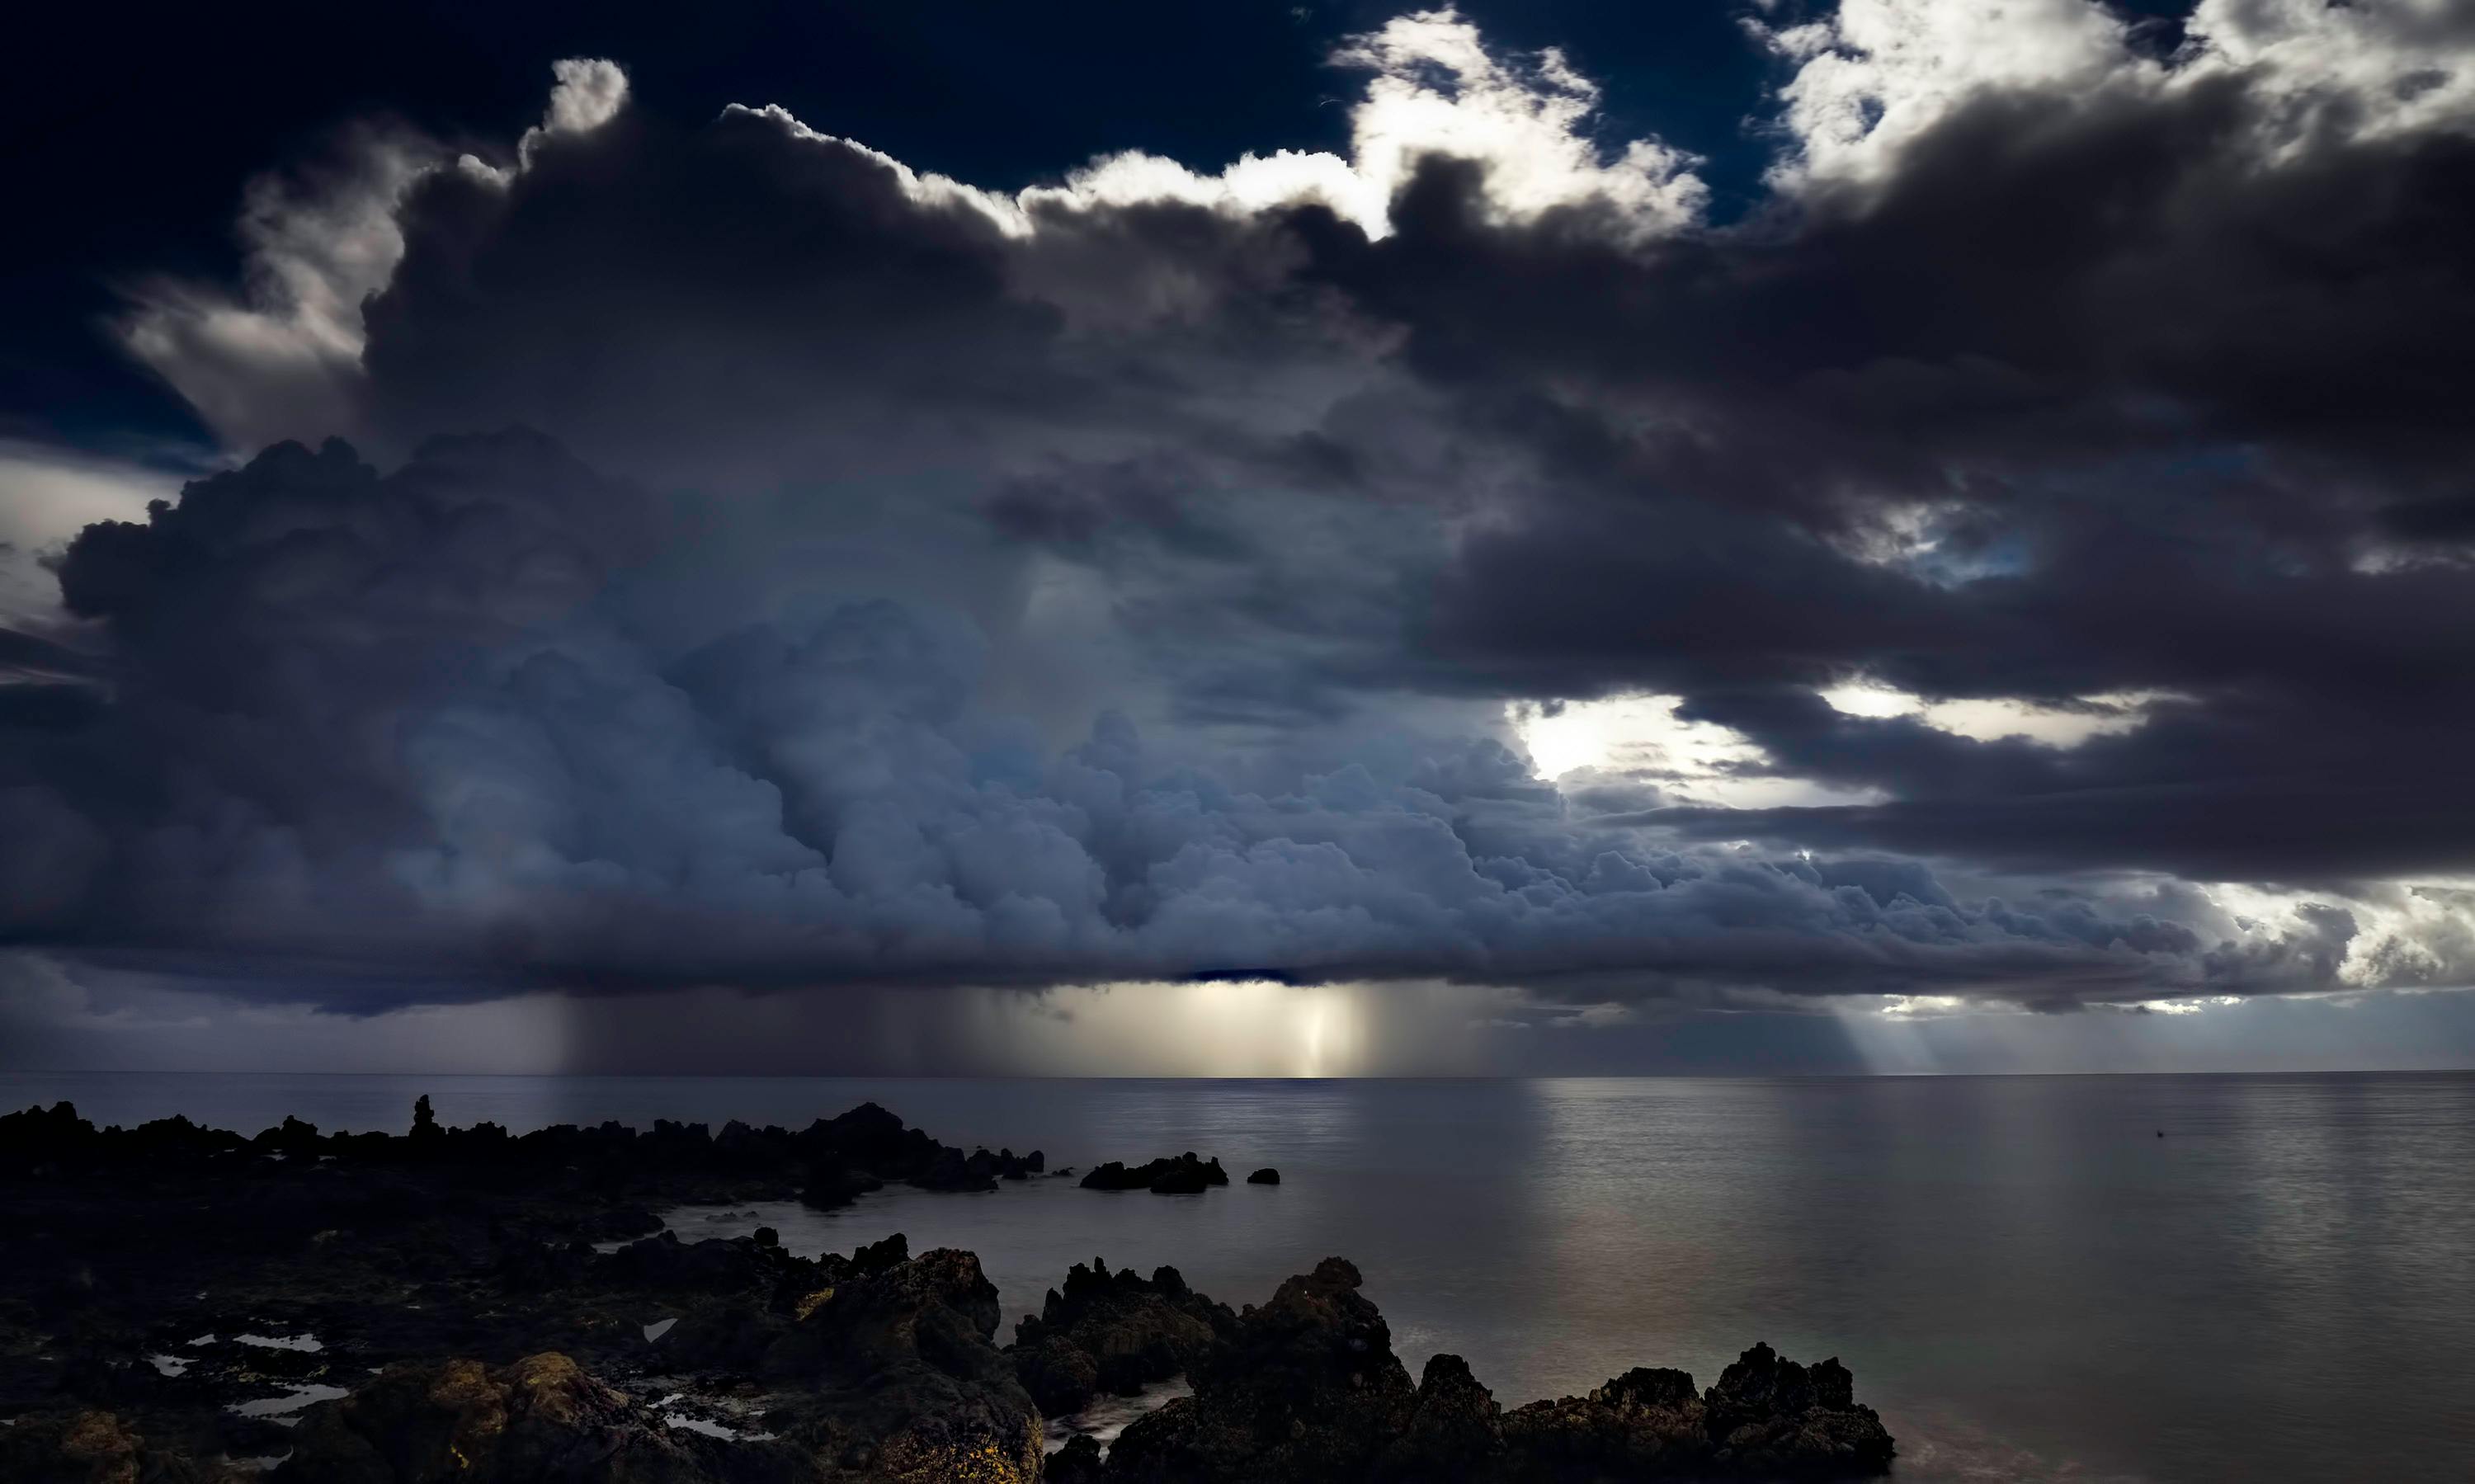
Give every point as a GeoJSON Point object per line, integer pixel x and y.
{"type": "Point", "coordinates": [541, 1418]}
{"type": "Point", "coordinates": [1181, 1174]}
{"type": "Point", "coordinates": [1114, 1332]}
{"type": "Point", "coordinates": [1306, 1389]}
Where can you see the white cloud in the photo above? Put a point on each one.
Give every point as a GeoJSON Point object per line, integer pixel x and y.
{"type": "Point", "coordinates": [1438, 89]}
{"type": "Point", "coordinates": [281, 358]}
{"type": "Point", "coordinates": [588, 94]}
{"type": "Point", "coordinates": [1435, 90]}
{"type": "Point", "coordinates": [1880, 73]}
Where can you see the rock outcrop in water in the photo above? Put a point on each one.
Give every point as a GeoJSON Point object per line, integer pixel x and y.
{"type": "Point", "coordinates": [827, 1163]}
{"type": "Point", "coordinates": [1114, 1332]}
{"type": "Point", "coordinates": [1307, 1390]}
{"type": "Point", "coordinates": [1267, 1175]}
{"type": "Point", "coordinates": [1178, 1174]}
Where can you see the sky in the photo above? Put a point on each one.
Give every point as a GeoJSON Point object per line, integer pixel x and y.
{"type": "Point", "coordinates": [1897, 536]}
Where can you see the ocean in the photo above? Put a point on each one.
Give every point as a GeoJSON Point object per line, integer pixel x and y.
{"type": "Point", "coordinates": [2027, 1280]}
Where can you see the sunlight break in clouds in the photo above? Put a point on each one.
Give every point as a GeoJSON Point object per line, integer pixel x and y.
{"type": "Point", "coordinates": [1642, 736]}
{"type": "Point", "coordinates": [1991, 718]}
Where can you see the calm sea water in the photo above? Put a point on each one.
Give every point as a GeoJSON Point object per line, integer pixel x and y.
{"type": "Point", "coordinates": [2027, 1281]}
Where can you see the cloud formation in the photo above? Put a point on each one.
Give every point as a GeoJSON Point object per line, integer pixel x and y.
{"type": "Point", "coordinates": [1126, 578]}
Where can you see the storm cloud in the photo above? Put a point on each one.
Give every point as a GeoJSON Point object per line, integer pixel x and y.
{"type": "Point", "coordinates": [714, 553]}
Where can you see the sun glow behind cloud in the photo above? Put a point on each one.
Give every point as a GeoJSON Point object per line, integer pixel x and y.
{"type": "Point", "coordinates": [1992, 719]}
{"type": "Point", "coordinates": [1642, 736]}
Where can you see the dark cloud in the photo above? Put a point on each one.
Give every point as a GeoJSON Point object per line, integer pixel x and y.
{"type": "Point", "coordinates": [394, 727]}
{"type": "Point", "coordinates": [1126, 578]}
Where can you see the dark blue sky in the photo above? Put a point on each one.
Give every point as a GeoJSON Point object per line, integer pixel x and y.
{"type": "Point", "coordinates": [132, 158]}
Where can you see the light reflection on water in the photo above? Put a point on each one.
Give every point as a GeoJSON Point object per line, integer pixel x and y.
{"type": "Point", "coordinates": [2025, 1280]}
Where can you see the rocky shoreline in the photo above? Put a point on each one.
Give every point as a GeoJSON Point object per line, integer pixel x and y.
{"type": "Point", "coordinates": [187, 1304]}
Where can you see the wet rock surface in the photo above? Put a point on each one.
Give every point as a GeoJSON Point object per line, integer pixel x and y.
{"type": "Point", "coordinates": [187, 1304]}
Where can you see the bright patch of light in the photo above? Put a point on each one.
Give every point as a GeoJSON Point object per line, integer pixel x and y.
{"type": "Point", "coordinates": [1915, 1006]}
{"type": "Point", "coordinates": [1864, 698]}
{"type": "Point", "coordinates": [52, 494]}
{"type": "Point", "coordinates": [1216, 1028]}
{"type": "Point", "coordinates": [1642, 736]}
{"type": "Point", "coordinates": [1993, 718]}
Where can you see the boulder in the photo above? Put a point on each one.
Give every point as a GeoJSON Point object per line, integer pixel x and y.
{"type": "Point", "coordinates": [1114, 1332]}
{"type": "Point", "coordinates": [1078, 1462]}
{"type": "Point", "coordinates": [888, 1377]}
{"type": "Point", "coordinates": [541, 1418]}
{"type": "Point", "coordinates": [1455, 1429]}
{"type": "Point", "coordinates": [1645, 1424]}
{"type": "Point", "coordinates": [89, 1448]}
{"type": "Point", "coordinates": [1267, 1175]}
{"type": "Point", "coordinates": [1767, 1418]}
{"type": "Point", "coordinates": [895, 1379]}
{"type": "Point", "coordinates": [1177, 1175]}
{"type": "Point", "coordinates": [1769, 1415]}
{"type": "Point", "coordinates": [1307, 1388]}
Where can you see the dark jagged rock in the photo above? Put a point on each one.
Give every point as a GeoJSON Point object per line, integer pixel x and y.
{"type": "Point", "coordinates": [1455, 1429]}
{"type": "Point", "coordinates": [1078, 1462]}
{"type": "Point", "coordinates": [1183, 1180]}
{"type": "Point", "coordinates": [888, 1375]}
{"type": "Point", "coordinates": [662, 1262]}
{"type": "Point", "coordinates": [1766, 1419]}
{"type": "Point", "coordinates": [901, 1380]}
{"type": "Point", "coordinates": [1306, 1389]}
{"type": "Point", "coordinates": [762, 1294]}
{"type": "Point", "coordinates": [90, 1448]}
{"type": "Point", "coordinates": [1114, 1332]}
{"type": "Point", "coordinates": [1645, 1424]}
{"type": "Point", "coordinates": [540, 1417]}
{"type": "Point", "coordinates": [1181, 1174]}
{"type": "Point", "coordinates": [443, 1244]}
{"type": "Point", "coordinates": [1771, 1416]}
{"type": "Point", "coordinates": [1061, 1375]}
{"type": "Point", "coordinates": [1267, 1175]}
{"type": "Point", "coordinates": [827, 1163]}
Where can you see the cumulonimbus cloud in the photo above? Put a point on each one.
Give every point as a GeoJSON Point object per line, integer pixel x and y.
{"type": "Point", "coordinates": [2060, 361]}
